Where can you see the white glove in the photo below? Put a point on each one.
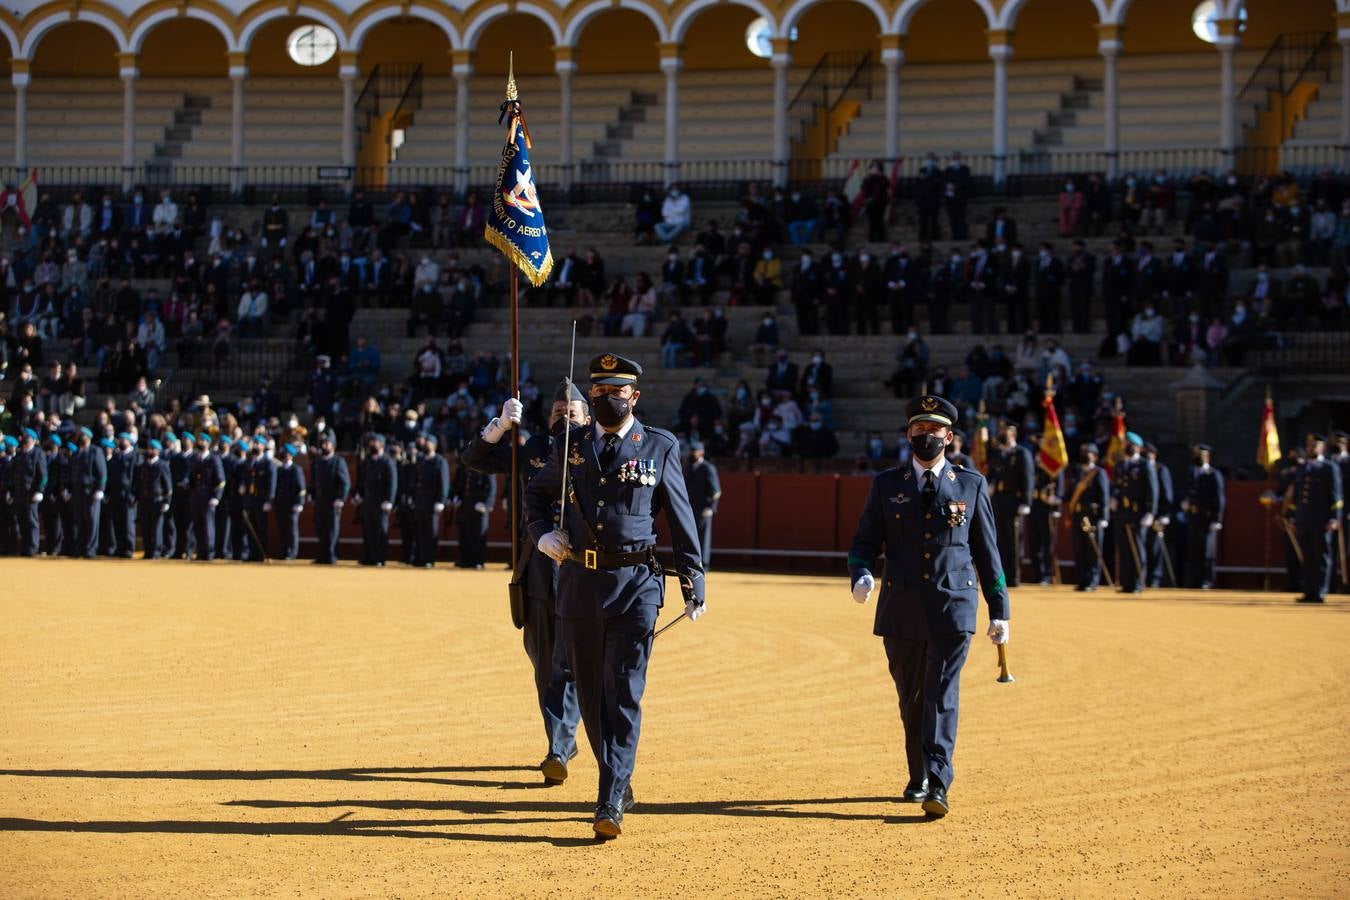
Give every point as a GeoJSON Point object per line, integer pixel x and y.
{"type": "Point", "coordinates": [480, 507]}
{"type": "Point", "coordinates": [386, 506]}
{"type": "Point", "coordinates": [439, 508]}
{"type": "Point", "coordinates": [164, 507]}
{"type": "Point", "coordinates": [1023, 509]}
{"type": "Point", "coordinates": [297, 507]}
{"type": "Point", "coordinates": [98, 496]}
{"type": "Point", "coordinates": [1103, 523]}
{"type": "Point", "coordinates": [1164, 521]}
{"type": "Point", "coordinates": [554, 545]}
{"type": "Point", "coordinates": [512, 410]}
{"type": "Point", "coordinates": [998, 631]}
{"type": "Point", "coordinates": [495, 430]}
{"type": "Point", "coordinates": [707, 512]}
{"type": "Point", "coordinates": [863, 587]}
{"type": "Point", "coordinates": [213, 503]}
{"type": "Point", "coordinates": [65, 495]}
{"type": "Point", "coordinates": [267, 507]}
{"type": "Point", "coordinates": [37, 498]}
{"type": "Point", "coordinates": [1146, 521]}
{"type": "Point", "coordinates": [694, 610]}
{"type": "Point", "coordinates": [1216, 526]}
{"type": "Point", "coordinates": [338, 504]}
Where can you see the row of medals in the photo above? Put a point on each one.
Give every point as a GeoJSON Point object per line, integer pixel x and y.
{"type": "Point", "coordinates": [641, 471]}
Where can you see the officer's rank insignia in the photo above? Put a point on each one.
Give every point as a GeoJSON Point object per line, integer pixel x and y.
{"type": "Point", "coordinates": [536, 462]}
{"type": "Point", "coordinates": [929, 404]}
{"type": "Point", "coordinates": [908, 473]}
{"type": "Point", "coordinates": [609, 362]}
{"type": "Point", "coordinates": [951, 476]}
{"type": "Point", "coordinates": [637, 437]}
{"type": "Point", "coordinates": [576, 458]}
{"type": "Point", "coordinates": [901, 499]}
{"type": "Point", "coordinates": [956, 513]}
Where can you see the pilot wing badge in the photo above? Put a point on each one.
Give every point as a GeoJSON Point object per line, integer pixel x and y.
{"type": "Point", "coordinates": [515, 223]}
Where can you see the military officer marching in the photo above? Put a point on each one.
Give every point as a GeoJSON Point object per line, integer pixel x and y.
{"type": "Point", "coordinates": [1316, 508]}
{"type": "Point", "coordinates": [934, 522]}
{"type": "Point", "coordinates": [536, 574]}
{"type": "Point", "coordinates": [619, 474]}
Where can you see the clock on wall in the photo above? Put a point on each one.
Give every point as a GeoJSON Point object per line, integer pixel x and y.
{"type": "Point", "coordinates": [312, 45]}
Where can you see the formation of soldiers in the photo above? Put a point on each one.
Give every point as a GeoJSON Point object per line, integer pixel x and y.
{"type": "Point", "coordinates": [208, 496]}
{"type": "Point", "coordinates": [1138, 527]}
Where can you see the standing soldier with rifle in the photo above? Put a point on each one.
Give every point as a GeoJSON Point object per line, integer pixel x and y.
{"type": "Point", "coordinates": [536, 576]}
{"type": "Point", "coordinates": [1012, 475]}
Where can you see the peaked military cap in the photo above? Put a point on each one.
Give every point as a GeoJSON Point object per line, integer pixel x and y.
{"type": "Point", "coordinates": [610, 369]}
{"type": "Point", "coordinates": [1203, 448]}
{"type": "Point", "coordinates": [931, 408]}
{"type": "Point", "coordinates": [1090, 448]}
{"type": "Point", "coordinates": [568, 392]}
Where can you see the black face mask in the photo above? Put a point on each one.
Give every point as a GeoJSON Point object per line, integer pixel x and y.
{"type": "Point", "coordinates": [559, 427]}
{"type": "Point", "coordinates": [611, 410]}
{"type": "Point", "coordinates": [927, 447]}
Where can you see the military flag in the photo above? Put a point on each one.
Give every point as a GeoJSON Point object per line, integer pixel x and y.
{"type": "Point", "coordinates": [515, 222]}
{"type": "Point", "coordinates": [1268, 447]}
{"type": "Point", "coordinates": [1053, 454]}
{"type": "Point", "coordinates": [1115, 447]}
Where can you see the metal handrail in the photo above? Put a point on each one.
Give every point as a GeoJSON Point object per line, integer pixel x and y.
{"type": "Point", "coordinates": [413, 87]}
{"type": "Point", "coordinates": [370, 108]}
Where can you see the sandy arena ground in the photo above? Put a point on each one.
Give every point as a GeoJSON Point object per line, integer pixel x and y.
{"type": "Point", "coordinates": [183, 730]}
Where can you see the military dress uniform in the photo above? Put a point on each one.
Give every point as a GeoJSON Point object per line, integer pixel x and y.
{"type": "Point", "coordinates": [1012, 473]}
{"type": "Point", "coordinates": [331, 482]}
{"type": "Point", "coordinates": [8, 527]}
{"type": "Point", "coordinates": [471, 489]}
{"type": "Point", "coordinates": [260, 482]}
{"type": "Point", "coordinates": [106, 544]}
{"type": "Point", "coordinates": [180, 509]}
{"type": "Point", "coordinates": [376, 485]}
{"type": "Point", "coordinates": [206, 485]}
{"type": "Point", "coordinates": [230, 511]}
{"type": "Point", "coordinates": [1041, 526]}
{"type": "Point", "coordinates": [289, 500]}
{"type": "Point", "coordinates": [539, 576]}
{"type": "Point", "coordinates": [705, 489]}
{"type": "Point", "coordinates": [27, 484]}
{"type": "Point", "coordinates": [1155, 538]}
{"type": "Point", "coordinates": [936, 529]}
{"type": "Point", "coordinates": [611, 586]}
{"type": "Point", "coordinates": [1086, 492]}
{"type": "Point", "coordinates": [53, 504]}
{"type": "Point", "coordinates": [1293, 566]}
{"type": "Point", "coordinates": [433, 492]}
{"type": "Point", "coordinates": [1318, 502]}
{"type": "Point", "coordinates": [154, 495]}
{"type": "Point", "coordinates": [121, 502]}
{"type": "Point", "coordinates": [1204, 507]}
{"type": "Point", "coordinates": [1136, 495]}
{"type": "Point", "coordinates": [1340, 581]}
{"type": "Point", "coordinates": [88, 478]}
{"type": "Point", "coordinates": [69, 531]}
{"type": "Point", "coordinates": [406, 507]}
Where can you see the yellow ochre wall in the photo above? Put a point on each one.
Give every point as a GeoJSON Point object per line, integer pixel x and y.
{"type": "Point", "coordinates": [184, 47]}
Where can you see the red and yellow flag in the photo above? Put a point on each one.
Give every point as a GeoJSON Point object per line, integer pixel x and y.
{"type": "Point", "coordinates": [1268, 447]}
{"type": "Point", "coordinates": [1115, 448]}
{"type": "Point", "coordinates": [1054, 452]}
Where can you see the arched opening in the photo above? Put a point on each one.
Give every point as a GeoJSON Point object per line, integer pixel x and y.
{"type": "Point", "coordinates": [183, 47]}
{"type": "Point", "coordinates": [1056, 29]}
{"type": "Point", "coordinates": [715, 40]}
{"type": "Point", "coordinates": [726, 92]}
{"type": "Point", "coordinates": [1268, 19]}
{"type": "Point", "coordinates": [840, 41]}
{"type": "Point", "coordinates": [75, 49]}
{"type": "Point", "coordinates": [413, 122]}
{"type": "Point", "coordinates": [535, 77]}
{"type": "Point", "coordinates": [836, 26]}
{"type": "Point", "coordinates": [1162, 26]}
{"type": "Point", "coordinates": [618, 40]}
{"type": "Point", "coordinates": [514, 31]}
{"type": "Point", "coordinates": [947, 32]}
{"type": "Point", "coordinates": [946, 85]}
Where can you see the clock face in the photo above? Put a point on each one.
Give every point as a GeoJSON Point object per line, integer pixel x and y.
{"type": "Point", "coordinates": [312, 45]}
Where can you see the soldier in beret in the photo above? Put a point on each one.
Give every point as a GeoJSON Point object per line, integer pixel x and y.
{"type": "Point", "coordinates": [935, 523]}
{"type": "Point", "coordinates": [154, 496]}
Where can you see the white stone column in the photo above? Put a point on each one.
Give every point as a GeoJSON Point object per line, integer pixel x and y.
{"type": "Point", "coordinates": [129, 73]}
{"type": "Point", "coordinates": [782, 148]}
{"type": "Point", "coordinates": [1227, 44]}
{"type": "Point", "coordinates": [671, 65]}
{"type": "Point", "coordinates": [463, 72]}
{"type": "Point", "coordinates": [238, 72]}
{"type": "Point", "coordinates": [1000, 51]}
{"type": "Point", "coordinates": [1109, 48]}
{"type": "Point", "coordinates": [1344, 37]}
{"type": "Point", "coordinates": [347, 72]}
{"type": "Point", "coordinates": [892, 58]}
{"type": "Point", "coordinates": [564, 64]}
{"type": "Point", "coordinates": [20, 79]}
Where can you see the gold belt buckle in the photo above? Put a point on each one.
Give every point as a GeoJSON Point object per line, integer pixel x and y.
{"type": "Point", "coordinates": [589, 559]}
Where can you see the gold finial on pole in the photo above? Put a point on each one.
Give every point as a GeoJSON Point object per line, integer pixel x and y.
{"type": "Point", "coordinates": [511, 92]}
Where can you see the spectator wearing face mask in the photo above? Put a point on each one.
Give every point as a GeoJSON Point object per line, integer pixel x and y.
{"type": "Point", "coordinates": [675, 341]}
{"type": "Point", "coordinates": [675, 215]}
{"type": "Point", "coordinates": [1070, 210]}
{"type": "Point", "coordinates": [815, 439]}
{"type": "Point", "coordinates": [768, 277]}
{"type": "Point", "coordinates": [765, 341]}
{"type": "Point", "coordinates": [818, 374]}
{"type": "Point", "coordinates": [1146, 337]}
{"type": "Point", "coordinates": [782, 374]}
{"type": "Point", "coordinates": [801, 215]}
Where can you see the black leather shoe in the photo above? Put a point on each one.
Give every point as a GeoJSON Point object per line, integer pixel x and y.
{"type": "Point", "coordinates": [915, 792]}
{"type": "Point", "coordinates": [554, 767]}
{"type": "Point", "coordinates": [935, 804]}
{"type": "Point", "coordinates": [609, 818]}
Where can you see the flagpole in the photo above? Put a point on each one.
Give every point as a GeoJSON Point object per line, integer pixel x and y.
{"type": "Point", "coordinates": [514, 382]}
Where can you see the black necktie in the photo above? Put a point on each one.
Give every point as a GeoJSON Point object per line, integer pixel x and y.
{"type": "Point", "coordinates": [611, 450]}
{"type": "Point", "coordinates": [929, 489]}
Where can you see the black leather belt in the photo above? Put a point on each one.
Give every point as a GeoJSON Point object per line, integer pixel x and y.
{"type": "Point", "coordinates": [599, 559]}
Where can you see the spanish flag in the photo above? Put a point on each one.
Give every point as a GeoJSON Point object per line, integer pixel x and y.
{"type": "Point", "coordinates": [1268, 447]}
{"type": "Point", "coordinates": [1115, 448]}
{"type": "Point", "coordinates": [979, 445]}
{"type": "Point", "coordinates": [1054, 452]}
{"type": "Point", "coordinates": [515, 222]}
